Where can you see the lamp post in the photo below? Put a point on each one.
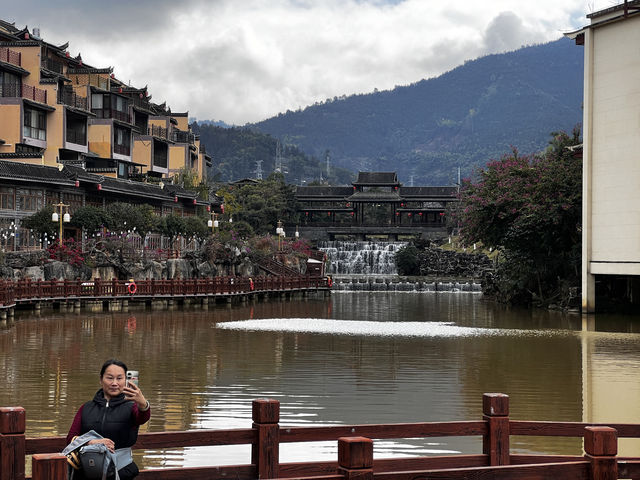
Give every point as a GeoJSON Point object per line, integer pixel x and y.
{"type": "Point", "coordinates": [212, 223]}
{"type": "Point", "coordinates": [60, 218]}
{"type": "Point", "coordinates": [281, 234]}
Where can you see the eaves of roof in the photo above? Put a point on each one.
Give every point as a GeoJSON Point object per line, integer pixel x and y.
{"type": "Point", "coordinates": [18, 171]}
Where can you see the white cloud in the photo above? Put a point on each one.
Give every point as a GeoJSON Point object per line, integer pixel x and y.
{"type": "Point", "coordinates": [246, 61]}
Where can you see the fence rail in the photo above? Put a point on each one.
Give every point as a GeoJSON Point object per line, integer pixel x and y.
{"type": "Point", "coordinates": [355, 450]}
{"type": "Point", "coordinates": [26, 291]}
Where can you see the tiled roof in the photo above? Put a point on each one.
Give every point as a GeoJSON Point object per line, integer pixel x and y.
{"type": "Point", "coordinates": [377, 178]}
{"type": "Point", "coordinates": [374, 197]}
{"type": "Point", "coordinates": [33, 173]}
{"type": "Point", "coordinates": [428, 191]}
{"type": "Point", "coordinates": [179, 191]}
{"type": "Point", "coordinates": [321, 191]}
{"type": "Point", "coordinates": [147, 190]}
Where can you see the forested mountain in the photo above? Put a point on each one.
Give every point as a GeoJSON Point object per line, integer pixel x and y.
{"type": "Point", "coordinates": [237, 151]}
{"type": "Point", "coordinates": [462, 118]}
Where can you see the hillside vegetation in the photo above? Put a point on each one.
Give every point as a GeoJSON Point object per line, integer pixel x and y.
{"type": "Point", "coordinates": [236, 152]}
{"type": "Point", "coordinates": [462, 118]}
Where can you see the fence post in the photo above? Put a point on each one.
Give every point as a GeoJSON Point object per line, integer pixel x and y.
{"type": "Point", "coordinates": [355, 458]}
{"type": "Point", "coordinates": [49, 466]}
{"type": "Point", "coordinates": [601, 448]}
{"type": "Point", "coordinates": [12, 443]}
{"type": "Point", "coordinates": [495, 409]}
{"type": "Point", "coordinates": [265, 451]}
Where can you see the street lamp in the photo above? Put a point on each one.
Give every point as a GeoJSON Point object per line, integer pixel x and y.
{"type": "Point", "coordinates": [297, 234]}
{"type": "Point", "coordinates": [212, 223]}
{"type": "Point", "coordinates": [66, 218]}
{"type": "Point", "coordinates": [281, 234]}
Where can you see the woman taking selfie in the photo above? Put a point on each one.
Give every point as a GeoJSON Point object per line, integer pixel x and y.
{"type": "Point", "coordinates": [115, 413]}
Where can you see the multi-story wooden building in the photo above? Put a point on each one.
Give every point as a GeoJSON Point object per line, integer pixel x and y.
{"type": "Point", "coordinates": [74, 133]}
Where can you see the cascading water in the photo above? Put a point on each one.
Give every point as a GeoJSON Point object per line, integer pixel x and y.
{"type": "Point", "coordinates": [370, 266]}
{"type": "Point", "coordinates": [361, 258]}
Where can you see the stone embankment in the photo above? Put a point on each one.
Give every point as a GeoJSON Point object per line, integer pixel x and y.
{"type": "Point", "coordinates": [37, 266]}
{"type": "Point", "coordinates": [435, 261]}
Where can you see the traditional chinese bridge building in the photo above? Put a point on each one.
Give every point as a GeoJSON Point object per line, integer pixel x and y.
{"type": "Point", "coordinates": [375, 204]}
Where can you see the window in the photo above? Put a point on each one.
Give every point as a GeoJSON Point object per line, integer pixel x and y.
{"type": "Point", "coordinates": [35, 124]}
{"type": "Point", "coordinates": [29, 200]}
{"type": "Point", "coordinates": [7, 198]}
{"type": "Point", "coordinates": [96, 101]}
{"type": "Point", "coordinates": [10, 85]}
{"type": "Point", "coordinates": [122, 141]}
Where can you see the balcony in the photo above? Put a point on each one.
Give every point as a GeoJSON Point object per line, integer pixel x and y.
{"type": "Point", "coordinates": [70, 98]}
{"type": "Point", "coordinates": [52, 65]}
{"type": "Point", "coordinates": [77, 136]}
{"type": "Point", "coordinates": [142, 103]}
{"type": "Point", "coordinates": [179, 136]}
{"type": "Point", "coordinates": [25, 91]}
{"type": "Point", "coordinates": [115, 114]}
{"type": "Point", "coordinates": [122, 149]}
{"type": "Point", "coordinates": [9, 56]}
{"type": "Point", "coordinates": [157, 131]}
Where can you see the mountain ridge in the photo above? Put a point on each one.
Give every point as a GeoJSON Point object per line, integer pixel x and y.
{"type": "Point", "coordinates": [462, 118]}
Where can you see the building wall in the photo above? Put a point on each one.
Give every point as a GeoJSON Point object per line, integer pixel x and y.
{"type": "Point", "coordinates": [142, 151]}
{"type": "Point", "coordinates": [183, 122]}
{"type": "Point", "coordinates": [177, 157]}
{"type": "Point", "coordinates": [55, 128]}
{"type": "Point", "coordinates": [99, 139]}
{"type": "Point", "coordinates": [10, 126]}
{"type": "Point", "coordinates": [613, 150]}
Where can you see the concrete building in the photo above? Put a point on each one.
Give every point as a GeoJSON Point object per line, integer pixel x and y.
{"type": "Point", "coordinates": [611, 152]}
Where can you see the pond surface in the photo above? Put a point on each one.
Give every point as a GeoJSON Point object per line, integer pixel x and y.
{"type": "Point", "coordinates": [351, 358]}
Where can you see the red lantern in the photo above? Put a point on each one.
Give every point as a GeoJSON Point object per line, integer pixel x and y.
{"type": "Point", "coordinates": [222, 208]}
{"type": "Point", "coordinates": [420, 214]}
{"type": "Point", "coordinates": [442, 214]}
{"type": "Point", "coordinates": [120, 90]}
{"type": "Point", "coordinates": [26, 36]}
{"type": "Point", "coordinates": [194, 201]}
{"type": "Point", "coordinates": [77, 183]}
{"type": "Point", "coordinates": [352, 214]}
{"type": "Point", "coordinates": [409, 214]}
{"type": "Point", "coordinates": [175, 199]}
{"type": "Point", "coordinates": [67, 54]}
{"type": "Point", "coordinates": [306, 213]}
{"type": "Point", "coordinates": [99, 186]}
{"type": "Point", "coordinates": [395, 188]}
{"type": "Point", "coordinates": [402, 204]}
{"type": "Point", "coordinates": [397, 214]}
{"type": "Point", "coordinates": [328, 214]}
{"type": "Point", "coordinates": [208, 208]}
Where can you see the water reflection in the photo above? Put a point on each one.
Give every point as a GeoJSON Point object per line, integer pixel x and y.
{"type": "Point", "coordinates": [201, 369]}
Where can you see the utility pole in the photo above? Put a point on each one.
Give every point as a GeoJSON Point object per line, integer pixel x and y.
{"type": "Point", "coordinates": [278, 157]}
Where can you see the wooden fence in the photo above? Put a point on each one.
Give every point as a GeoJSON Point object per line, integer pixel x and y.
{"type": "Point", "coordinates": [26, 291]}
{"type": "Point", "coordinates": [355, 449]}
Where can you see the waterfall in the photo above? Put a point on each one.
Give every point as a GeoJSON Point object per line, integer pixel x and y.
{"type": "Point", "coordinates": [361, 258]}
{"type": "Point", "coordinates": [370, 266]}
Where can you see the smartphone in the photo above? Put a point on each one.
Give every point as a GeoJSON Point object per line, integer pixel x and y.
{"type": "Point", "coordinates": [132, 377]}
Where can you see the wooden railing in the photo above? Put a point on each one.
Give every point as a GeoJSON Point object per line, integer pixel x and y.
{"type": "Point", "coordinates": [24, 291]}
{"type": "Point", "coordinates": [355, 449]}
{"type": "Point", "coordinates": [10, 56]}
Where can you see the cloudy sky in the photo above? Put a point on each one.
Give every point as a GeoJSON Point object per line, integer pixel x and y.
{"type": "Point", "coordinates": [246, 60]}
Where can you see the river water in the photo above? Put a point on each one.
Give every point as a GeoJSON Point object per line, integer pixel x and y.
{"type": "Point", "coordinates": [349, 358]}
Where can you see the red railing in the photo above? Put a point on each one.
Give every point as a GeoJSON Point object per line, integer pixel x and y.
{"type": "Point", "coordinates": [25, 91]}
{"type": "Point", "coordinates": [34, 93]}
{"type": "Point", "coordinates": [355, 449]}
{"type": "Point", "coordinates": [25, 291]}
{"type": "Point", "coordinates": [9, 56]}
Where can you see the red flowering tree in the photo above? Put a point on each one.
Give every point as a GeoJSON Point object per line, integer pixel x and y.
{"type": "Point", "coordinates": [529, 208]}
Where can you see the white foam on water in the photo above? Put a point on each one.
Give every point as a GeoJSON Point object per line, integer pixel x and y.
{"type": "Point", "coordinates": [379, 329]}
